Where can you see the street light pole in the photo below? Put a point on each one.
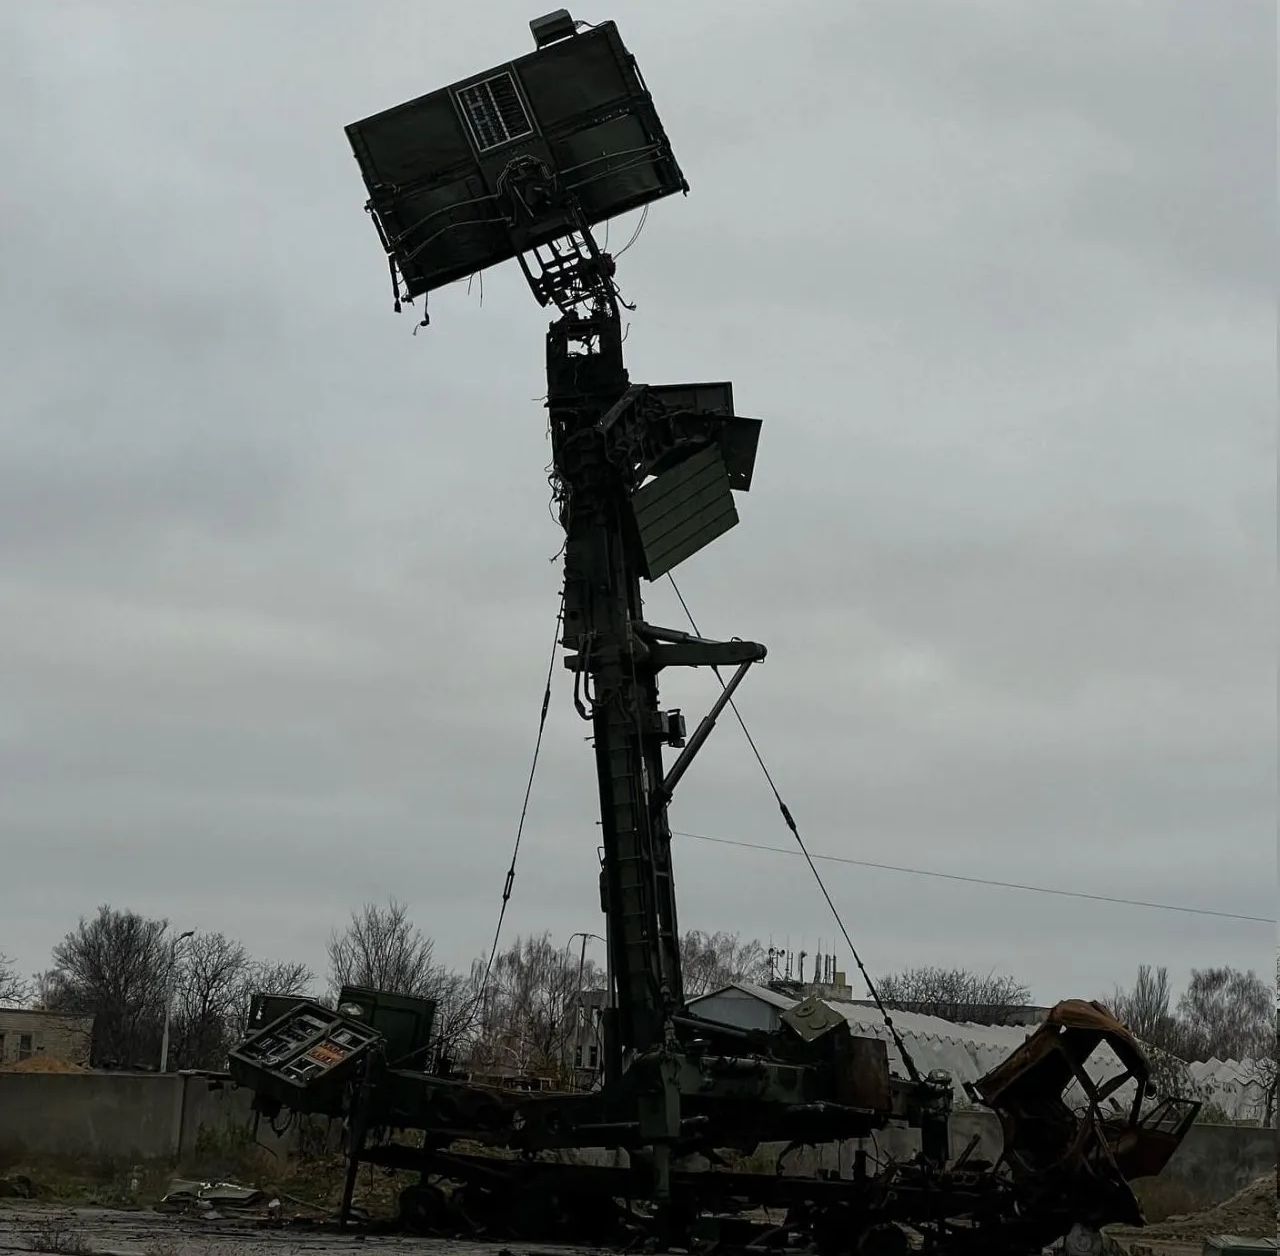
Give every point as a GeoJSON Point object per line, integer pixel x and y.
{"type": "Point", "coordinates": [168, 999]}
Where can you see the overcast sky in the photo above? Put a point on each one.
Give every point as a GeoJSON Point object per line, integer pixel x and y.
{"type": "Point", "coordinates": [276, 589]}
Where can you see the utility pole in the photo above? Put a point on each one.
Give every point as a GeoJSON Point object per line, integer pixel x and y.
{"type": "Point", "coordinates": [582, 963]}
{"type": "Point", "coordinates": [168, 998]}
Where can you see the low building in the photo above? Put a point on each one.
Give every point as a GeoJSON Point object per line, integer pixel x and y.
{"type": "Point", "coordinates": [744, 1005]}
{"type": "Point", "coordinates": [967, 1052]}
{"type": "Point", "coordinates": [27, 1032]}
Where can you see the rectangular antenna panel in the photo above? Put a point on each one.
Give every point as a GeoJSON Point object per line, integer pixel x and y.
{"type": "Point", "coordinates": [739, 437]}
{"type": "Point", "coordinates": [432, 165]}
{"type": "Point", "coordinates": [683, 510]}
{"type": "Point", "coordinates": [303, 1058]}
{"type": "Point", "coordinates": [404, 1021]}
{"type": "Point", "coordinates": [265, 1008]}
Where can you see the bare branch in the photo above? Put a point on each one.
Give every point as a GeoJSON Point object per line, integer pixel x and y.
{"type": "Point", "coordinates": [15, 991]}
{"type": "Point", "coordinates": [1228, 1015]}
{"type": "Point", "coordinates": [115, 968]}
{"type": "Point", "coordinates": [264, 977]}
{"type": "Point", "coordinates": [954, 994]}
{"type": "Point", "coordinates": [382, 949]}
{"type": "Point", "coordinates": [207, 986]}
{"type": "Point", "coordinates": [712, 960]}
{"type": "Point", "coordinates": [533, 1017]}
{"type": "Point", "coordinates": [1145, 1010]}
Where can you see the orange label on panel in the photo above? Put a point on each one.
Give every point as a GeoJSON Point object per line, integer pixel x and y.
{"type": "Point", "coordinates": [326, 1053]}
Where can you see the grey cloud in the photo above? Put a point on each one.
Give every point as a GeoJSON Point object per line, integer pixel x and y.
{"type": "Point", "coordinates": [59, 500]}
{"type": "Point", "coordinates": [275, 589]}
{"type": "Point", "coordinates": [1171, 165]}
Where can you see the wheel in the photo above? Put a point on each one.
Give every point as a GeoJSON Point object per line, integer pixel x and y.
{"type": "Point", "coordinates": [882, 1240]}
{"type": "Point", "coordinates": [424, 1209]}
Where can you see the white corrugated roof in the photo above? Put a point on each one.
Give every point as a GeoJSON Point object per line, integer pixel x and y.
{"type": "Point", "coordinates": [763, 993]}
{"type": "Point", "coordinates": [967, 1052]}
{"type": "Point", "coordinates": [1006, 1037]}
{"type": "Point", "coordinates": [1235, 1086]}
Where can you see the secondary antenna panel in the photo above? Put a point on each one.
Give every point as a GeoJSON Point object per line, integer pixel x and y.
{"type": "Point", "coordinates": [483, 170]}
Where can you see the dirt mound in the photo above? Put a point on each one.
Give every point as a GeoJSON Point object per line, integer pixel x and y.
{"type": "Point", "coordinates": [41, 1064]}
{"type": "Point", "coordinates": [1251, 1213]}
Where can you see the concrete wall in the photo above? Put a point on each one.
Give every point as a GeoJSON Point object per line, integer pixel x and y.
{"type": "Point", "coordinates": [132, 1116]}
{"type": "Point", "coordinates": [216, 1115]}
{"type": "Point", "coordinates": [1213, 1162]}
{"type": "Point", "coordinates": [190, 1116]}
{"type": "Point", "coordinates": [59, 1034]}
{"type": "Point", "coordinates": [1220, 1159]}
{"type": "Point", "coordinates": [124, 1116]}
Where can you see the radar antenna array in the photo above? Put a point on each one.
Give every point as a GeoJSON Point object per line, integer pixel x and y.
{"type": "Point", "coordinates": [522, 161]}
{"type": "Point", "coordinates": [519, 161]}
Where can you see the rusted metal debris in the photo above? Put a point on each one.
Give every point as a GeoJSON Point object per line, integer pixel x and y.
{"type": "Point", "coordinates": [1091, 1152]}
{"type": "Point", "coordinates": [1070, 1150]}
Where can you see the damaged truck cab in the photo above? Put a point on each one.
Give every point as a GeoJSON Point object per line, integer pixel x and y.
{"type": "Point", "coordinates": [1069, 1138]}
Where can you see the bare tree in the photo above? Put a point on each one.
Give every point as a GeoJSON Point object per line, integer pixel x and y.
{"type": "Point", "coordinates": [1223, 1012]}
{"type": "Point", "coordinates": [712, 960]}
{"type": "Point", "coordinates": [1267, 1068]}
{"type": "Point", "coordinates": [532, 1011]}
{"type": "Point", "coordinates": [382, 948]}
{"type": "Point", "coordinates": [115, 968]}
{"type": "Point", "coordinates": [279, 977]}
{"type": "Point", "coordinates": [1265, 1072]}
{"type": "Point", "coordinates": [206, 988]}
{"type": "Point", "coordinates": [263, 977]}
{"type": "Point", "coordinates": [954, 994]}
{"type": "Point", "coordinates": [15, 991]}
{"type": "Point", "coordinates": [51, 990]}
{"type": "Point", "coordinates": [1146, 1010]}
{"type": "Point", "coordinates": [1228, 1014]}
{"type": "Point", "coordinates": [460, 1000]}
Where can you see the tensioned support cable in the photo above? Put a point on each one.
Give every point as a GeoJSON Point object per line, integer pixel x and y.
{"type": "Point", "coordinates": [789, 819]}
{"type": "Point", "coordinates": [509, 884]}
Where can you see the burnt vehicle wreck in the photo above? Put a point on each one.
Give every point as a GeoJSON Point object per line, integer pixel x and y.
{"type": "Point", "coordinates": [520, 162]}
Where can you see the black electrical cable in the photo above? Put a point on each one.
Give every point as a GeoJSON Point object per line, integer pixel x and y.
{"type": "Point", "coordinates": [635, 235]}
{"type": "Point", "coordinates": [509, 884]}
{"type": "Point", "coordinates": [789, 819]}
{"type": "Point", "coordinates": [1002, 885]}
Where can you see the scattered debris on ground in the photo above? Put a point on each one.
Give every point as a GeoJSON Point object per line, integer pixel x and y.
{"type": "Point", "coordinates": [32, 1227]}
{"type": "Point", "coordinates": [252, 1188]}
{"type": "Point", "coordinates": [209, 1198]}
{"type": "Point", "coordinates": [1250, 1213]}
{"type": "Point", "coordinates": [302, 1199]}
{"type": "Point", "coordinates": [19, 1186]}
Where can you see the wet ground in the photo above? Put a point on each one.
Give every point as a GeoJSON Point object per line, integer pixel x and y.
{"type": "Point", "coordinates": [90, 1231]}
{"type": "Point", "coordinates": [28, 1227]}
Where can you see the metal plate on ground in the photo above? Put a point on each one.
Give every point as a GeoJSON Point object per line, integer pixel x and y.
{"type": "Point", "coordinates": [1235, 1245]}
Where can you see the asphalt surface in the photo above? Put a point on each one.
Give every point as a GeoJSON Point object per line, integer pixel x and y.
{"type": "Point", "coordinates": [83, 1231]}
{"type": "Point", "coordinates": [27, 1227]}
